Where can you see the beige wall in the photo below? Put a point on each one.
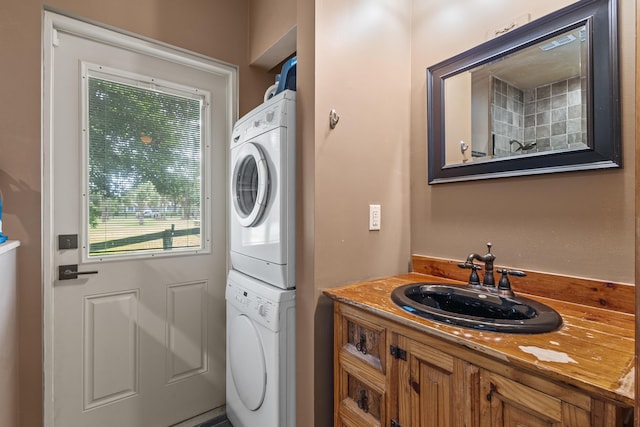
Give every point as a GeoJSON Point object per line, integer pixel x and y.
{"type": "Point", "coordinates": [458, 104]}
{"type": "Point", "coordinates": [306, 296]}
{"type": "Point", "coordinates": [577, 223]}
{"type": "Point", "coordinates": [352, 56]}
{"type": "Point", "coordinates": [272, 31]}
{"type": "Point", "coordinates": [213, 28]}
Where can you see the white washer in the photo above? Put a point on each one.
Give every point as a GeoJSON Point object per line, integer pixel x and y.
{"type": "Point", "coordinates": [262, 217]}
{"type": "Point", "coordinates": [260, 353]}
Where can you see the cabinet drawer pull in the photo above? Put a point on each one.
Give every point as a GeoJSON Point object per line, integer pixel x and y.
{"type": "Point", "coordinates": [362, 402]}
{"type": "Point", "coordinates": [362, 345]}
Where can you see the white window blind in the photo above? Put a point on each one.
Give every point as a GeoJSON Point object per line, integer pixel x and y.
{"type": "Point", "coordinates": [144, 154]}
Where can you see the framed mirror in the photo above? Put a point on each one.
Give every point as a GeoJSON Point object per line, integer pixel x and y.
{"type": "Point", "coordinates": [542, 98]}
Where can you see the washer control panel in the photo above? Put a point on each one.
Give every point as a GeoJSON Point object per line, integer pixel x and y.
{"type": "Point", "coordinates": [273, 114]}
{"type": "Point", "coordinates": [253, 305]}
{"type": "Point", "coordinates": [264, 121]}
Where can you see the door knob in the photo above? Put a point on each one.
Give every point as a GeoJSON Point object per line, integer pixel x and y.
{"type": "Point", "coordinates": [68, 272]}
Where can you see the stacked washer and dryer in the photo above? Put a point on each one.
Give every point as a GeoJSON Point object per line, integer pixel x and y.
{"type": "Point", "coordinates": [260, 287]}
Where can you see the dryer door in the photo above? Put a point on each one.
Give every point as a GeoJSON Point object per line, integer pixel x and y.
{"type": "Point", "coordinates": [247, 362]}
{"type": "Point", "coordinates": [250, 185]}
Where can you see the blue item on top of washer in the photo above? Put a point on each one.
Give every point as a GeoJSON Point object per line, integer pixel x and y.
{"type": "Point", "coordinates": [3, 238]}
{"type": "Point", "coordinates": [288, 76]}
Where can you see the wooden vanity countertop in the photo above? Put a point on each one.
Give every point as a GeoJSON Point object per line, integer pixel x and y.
{"type": "Point", "coordinates": [593, 350]}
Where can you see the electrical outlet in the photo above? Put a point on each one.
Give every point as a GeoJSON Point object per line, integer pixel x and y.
{"type": "Point", "coordinates": [374, 217]}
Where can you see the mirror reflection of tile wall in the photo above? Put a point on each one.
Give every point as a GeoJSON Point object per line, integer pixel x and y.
{"type": "Point", "coordinates": [507, 118]}
{"type": "Point", "coordinates": [546, 118]}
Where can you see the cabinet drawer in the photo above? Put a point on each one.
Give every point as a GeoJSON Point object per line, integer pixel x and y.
{"type": "Point", "coordinates": [361, 402]}
{"type": "Point", "coordinates": [364, 340]}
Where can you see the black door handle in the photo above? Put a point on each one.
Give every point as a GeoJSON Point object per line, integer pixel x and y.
{"type": "Point", "coordinates": [68, 272]}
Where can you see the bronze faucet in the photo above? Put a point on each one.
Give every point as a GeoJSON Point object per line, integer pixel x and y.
{"type": "Point", "coordinates": [504, 286]}
{"type": "Point", "coordinates": [488, 280]}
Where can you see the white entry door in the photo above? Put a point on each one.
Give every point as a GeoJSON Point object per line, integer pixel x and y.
{"type": "Point", "coordinates": [135, 155]}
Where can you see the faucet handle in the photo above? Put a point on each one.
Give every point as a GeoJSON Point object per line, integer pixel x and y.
{"type": "Point", "coordinates": [517, 273]}
{"type": "Point", "coordinates": [504, 286]}
{"type": "Point", "coordinates": [474, 279]}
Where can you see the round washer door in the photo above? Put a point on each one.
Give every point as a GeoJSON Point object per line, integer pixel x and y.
{"type": "Point", "coordinates": [247, 362]}
{"type": "Point", "coordinates": [250, 185]}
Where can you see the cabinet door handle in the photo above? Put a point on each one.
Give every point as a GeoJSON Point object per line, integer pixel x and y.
{"type": "Point", "coordinates": [492, 388]}
{"type": "Point", "coordinates": [362, 402]}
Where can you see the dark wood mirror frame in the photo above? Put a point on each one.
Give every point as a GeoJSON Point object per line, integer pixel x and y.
{"type": "Point", "coordinates": [603, 96]}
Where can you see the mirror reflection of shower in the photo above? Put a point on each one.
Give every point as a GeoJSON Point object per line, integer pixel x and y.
{"type": "Point", "coordinates": [526, 147]}
{"type": "Point", "coordinates": [532, 101]}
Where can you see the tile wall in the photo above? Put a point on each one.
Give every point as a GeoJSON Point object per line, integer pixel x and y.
{"type": "Point", "coordinates": [545, 118]}
{"type": "Point", "coordinates": [507, 117]}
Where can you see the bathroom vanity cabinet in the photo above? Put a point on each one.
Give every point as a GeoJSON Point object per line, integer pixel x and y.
{"type": "Point", "coordinates": [392, 372]}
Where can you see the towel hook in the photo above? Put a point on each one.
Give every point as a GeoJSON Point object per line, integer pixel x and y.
{"type": "Point", "coordinates": [333, 118]}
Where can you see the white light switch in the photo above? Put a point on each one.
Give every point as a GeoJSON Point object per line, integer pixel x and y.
{"type": "Point", "coordinates": [374, 217]}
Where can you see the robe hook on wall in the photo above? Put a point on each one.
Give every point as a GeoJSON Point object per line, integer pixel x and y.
{"type": "Point", "coordinates": [333, 118]}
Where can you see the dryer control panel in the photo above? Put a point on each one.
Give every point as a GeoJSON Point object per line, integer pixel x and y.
{"type": "Point", "coordinates": [256, 307]}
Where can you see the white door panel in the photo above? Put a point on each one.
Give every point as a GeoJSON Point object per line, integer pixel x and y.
{"type": "Point", "coordinates": [186, 330]}
{"type": "Point", "coordinates": [111, 355]}
{"type": "Point", "coordinates": [142, 342]}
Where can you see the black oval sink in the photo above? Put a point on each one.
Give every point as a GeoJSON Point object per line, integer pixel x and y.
{"type": "Point", "coordinates": [476, 309]}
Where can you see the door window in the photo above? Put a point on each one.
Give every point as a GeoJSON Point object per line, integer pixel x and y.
{"type": "Point", "coordinates": [144, 153]}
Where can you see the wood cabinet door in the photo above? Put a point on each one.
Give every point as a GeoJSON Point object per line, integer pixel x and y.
{"type": "Point", "coordinates": [435, 389]}
{"type": "Point", "coordinates": [360, 367]}
{"type": "Point", "coordinates": [505, 402]}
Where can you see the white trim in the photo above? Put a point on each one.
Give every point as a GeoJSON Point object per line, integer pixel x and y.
{"type": "Point", "coordinates": [52, 23]}
{"type": "Point", "coordinates": [136, 43]}
{"type": "Point", "coordinates": [90, 69]}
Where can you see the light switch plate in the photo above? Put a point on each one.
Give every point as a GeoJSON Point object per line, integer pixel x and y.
{"type": "Point", "coordinates": [374, 217]}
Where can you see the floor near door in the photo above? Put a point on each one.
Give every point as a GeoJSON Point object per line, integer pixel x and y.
{"type": "Point", "coordinates": [216, 422]}
{"type": "Point", "coordinates": [213, 418]}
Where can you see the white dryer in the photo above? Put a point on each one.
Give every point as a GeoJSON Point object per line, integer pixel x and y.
{"type": "Point", "coordinates": [262, 217]}
{"type": "Point", "coordinates": [260, 353]}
